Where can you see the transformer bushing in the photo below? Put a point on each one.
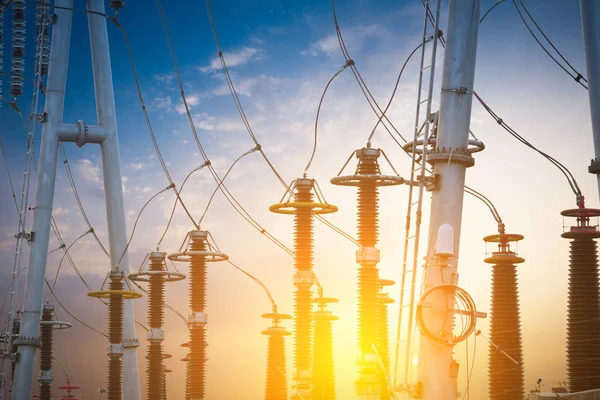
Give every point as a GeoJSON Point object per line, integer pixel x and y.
{"type": "Point", "coordinates": [156, 275]}
{"type": "Point", "coordinates": [383, 336]}
{"type": "Point", "coordinates": [276, 384]}
{"type": "Point", "coordinates": [323, 366]}
{"type": "Point", "coordinates": [583, 320]}
{"type": "Point", "coordinates": [367, 178]}
{"type": "Point", "coordinates": [69, 388]}
{"type": "Point", "coordinates": [115, 294]}
{"type": "Point", "coordinates": [47, 326]}
{"type": "Point", "coordinates": [198, 253]}
{"type": "Point", "coordinates": [506, 380]}
{"type": "Point", "coordinates": [18, 47]}
{"type": "Point", "coordinates": [303, 207]}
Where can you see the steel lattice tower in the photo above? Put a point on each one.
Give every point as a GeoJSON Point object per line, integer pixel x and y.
{"type": "Point", "coordinates": [198, 253]}
{"type": "Point", "coordinates": [383, 336]}
{"type": "Point", "coordinates": [323, 366]}
{"type": "Point", "coordinates": [583, 321]}
{"type": "Point", "coordinates": [367, 178]}
{"type": "Point", "coordinates": [276, 387]}
{"type": "Point", "coordinates": [303, 208]}
{"type": "Point", "coordinates": [506, 380]}
{"type": "Point", "coordinates": [156, 275]}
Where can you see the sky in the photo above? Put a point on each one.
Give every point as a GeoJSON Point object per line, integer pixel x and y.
{"type": "Point", "coordinates": [281, 55]}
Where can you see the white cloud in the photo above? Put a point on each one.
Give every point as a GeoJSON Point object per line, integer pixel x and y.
{"type": "Point", "coordinates": [354, 40]}
{"type": "Point", "coordinates": [163, 103]}
{"type": "Point", "coordinates": [233, 59]}
{"type": "Point", "coordinates": [192, 101]}
{"type": "Point", "coordinates": [164, 78]}
{"type": "Point", "coordinates": [88, 171]}
{"type": "Point", "coordinates": [245, 86]}
{"type": "Point", "coordinates": [136, 166]}
{"type": "Point", "coordinates": [60, 211]}
{"type": "Point", "coordinates": [146, 189]}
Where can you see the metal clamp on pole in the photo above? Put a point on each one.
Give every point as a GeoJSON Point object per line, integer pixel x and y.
{"type": "Point", "coordinates": [82, 137]}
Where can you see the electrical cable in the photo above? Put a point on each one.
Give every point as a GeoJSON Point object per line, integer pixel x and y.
{"type": "Point", "coordinates": [71, 314]}
{"type": "Point", "coordinates": [314, 149]}
{"type": "Point", "coordinates": [176, 202]}
{"type": "Point", "coordinates": [12, 188]}
{"type": "Point", "coordinates": [576, 75]}
{"type": "Point", "coordinates": [564, 170]}
{"type": "Point", "coordinates": [78, 199]}
{"type": "Point", "coordinates": [491, 9]}
{"type": "Point", "coordinates": [63, 257]}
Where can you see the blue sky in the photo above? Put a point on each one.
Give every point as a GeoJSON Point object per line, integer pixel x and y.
{"type": "Point", "coordinates": [281, 55]}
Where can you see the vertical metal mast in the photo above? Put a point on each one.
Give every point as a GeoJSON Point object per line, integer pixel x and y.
{"type": "Point", "coordinates": [417, 171]}
{"type": "Point", "coordinates": [450, 159]}
{"type": "Point", "coordinates": [590, 20]}
{"type": "Point", "coordinates": [54, 131]}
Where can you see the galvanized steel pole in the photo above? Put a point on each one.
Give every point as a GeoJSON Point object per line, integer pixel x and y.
{"type": "Point", "coordinates": [42, 215]}
{"type": "Point", "coordinates": [590, 20]}
{"type": "Point", "coordinates": [450, 158]}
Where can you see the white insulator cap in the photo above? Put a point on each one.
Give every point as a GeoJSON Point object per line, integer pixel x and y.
{"type": "Point", "coordinates": [445, 241]}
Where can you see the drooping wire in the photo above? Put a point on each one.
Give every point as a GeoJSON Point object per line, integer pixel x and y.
{"type": "Point", "coordinates": [491, 9]}
{"type": "Point", "coordinates": [176, 202]}
{"type": "Point", "coordinates": [78, 199]}
{"type": "Point", "coordinates": [314, 149]}
{"type": "Point", "coordinates": [393, 93]}
{"type": "Point", "coordinates": [487, 202]}
{"type": "Point", "coordinates": [576, 75]}
{"type": "Point", "coordinates": [70, 313]}
{"type": "Point", "coordinates": [64, 255]}
{"type": "Point", "coordinates": [564, 170]}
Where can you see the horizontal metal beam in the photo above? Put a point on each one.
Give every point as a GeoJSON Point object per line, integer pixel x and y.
{"type": "Point", "coordinates": [73, 133]}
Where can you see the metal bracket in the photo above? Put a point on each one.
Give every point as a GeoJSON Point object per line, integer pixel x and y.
{"type": "Point", "coordinates": [40, 117]}
{"type": "Point", "coordinates": [114, 350]}
{"type": "Point", "coordinates": [25, 235]}
{"type": "Point", "coordinates": [197, 319]}
{"type": "Point", "coordinates": [27, 341]}
{"type": "Point", "coordinates": [461, 156]}
{"type": "Point", "coordinates": [594, 167]}
{"type": "Point", "coordinates": [460, 90]}
{"type": "Point", "coordinates": [82, 138]}
{"type": "Point", "coordinates": [130, 343]}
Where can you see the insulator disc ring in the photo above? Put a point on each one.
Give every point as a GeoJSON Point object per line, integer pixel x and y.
{"type": "Point", "coordinates": [105, 294]}
{"type": "Point", "coordinates": [186, 256]}
{"type": "Point", "coordinates": [168, 276]}
{"type": "Point", "coordinates": [581, 212]}
{"type": "Point", "coordinates": [291, 207]}
{"type": "Point", "coordinates": [385, 282]}
{"type": "Point", "coordinates": [57, 324]}
{"type": "Point", "coordinates": [358, 180]}
{"type": "Point", "coordinates": [474, 146]}
{"type": "Point", "coordinates": [277, 316]}
{"type": "Point", "coordinates": [503, 238]}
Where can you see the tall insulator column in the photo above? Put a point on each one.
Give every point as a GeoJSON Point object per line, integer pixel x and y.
{"type": "Point", "coordinates": [303, 207]}
{"type": "Point", "coordinates": [276, 386]}
{"type": "Point", "coordinates": [583, 320]}
{"type": "Point", "coordinates": [69, 388]}
{"type": "Point", "coordinates": [323, 367]}
{"type": "Point", "coordinates": [46, 339]}
{"type": "Point", "coordinates": [18, 47]}
{"type": "Point", "coordinates": [367, 178]}
{"type": "Point", "coordinates": [16, 330]}
{"type": "Point", "coordinates": [383, 336]}
{"type": "Point", "coordinates": [115, 294]}
{"type": "Point", "coordinates": [198, 253]}
{"type": "Point", "coordinates": [156, 275]}
{"type": "Point", "coordinates": [506, 381]}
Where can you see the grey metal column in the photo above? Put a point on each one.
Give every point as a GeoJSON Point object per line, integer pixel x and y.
{"type": "Point", "coordinates": [437, 368]}
{"type": "Point", "coordinates": [42, 214]}
{"type": "Point", "coordinates": [113, 188]}
{"type": "Point", "coordinates": [590, 20]}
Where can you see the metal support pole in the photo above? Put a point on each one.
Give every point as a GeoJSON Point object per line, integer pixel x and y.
{"type": "Point", "coordinates": [113, 189]}
{"type": "Point", "coordinates": [34, 287]}
{"type": "Point", "coordinates": [437, 369]}
{"type": "Point", "coordinates": [590, 20]}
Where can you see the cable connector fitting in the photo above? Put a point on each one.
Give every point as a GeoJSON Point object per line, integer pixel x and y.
{"type": "Point", "coordinates": [594, 167]}
{"type": "Point", "coordinates": [155, 335]}
{"type": "Point", "coordinates": [46, 376]}
{"type": "Point", "coordinates": [114, 350]}
{"type": "Point", "coordinates": [82, 137]}
{"type": "Point", "coordinates": [348, 63]}
{"type": "Point", "coordinates": [304, 279]}
{"type": "Point", "coordinates": [367, 255]}
{"type": "Point", "coordinates": [130, 343]}
{"type": "Point", "coordinates": [198, 319]}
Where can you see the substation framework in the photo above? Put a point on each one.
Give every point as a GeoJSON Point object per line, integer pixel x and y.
{"type": "Point", "coordinates": [156, 275]}
{"type": "Point", "coordinates": [303, 207]}
{"type": "Point", "coordinates": [55, 131]}
{"type": "Point", "coordinates": [198, 252]}
{"type": "Point", "coordinates": [371, 383]}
